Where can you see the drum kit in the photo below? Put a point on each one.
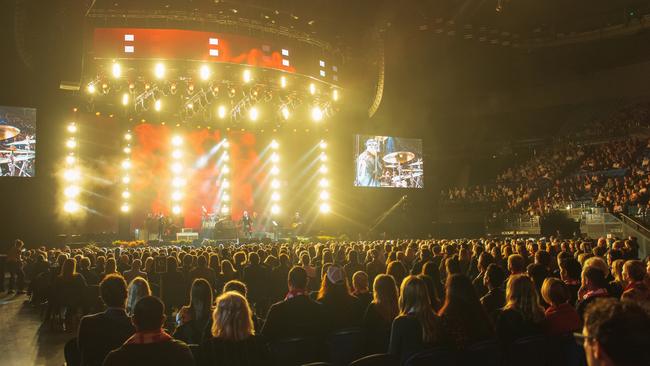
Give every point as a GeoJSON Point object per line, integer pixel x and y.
{"type": "Point", "coordinates": [17, 158]}
{"type": "Point", "coordinates": [402, 170]}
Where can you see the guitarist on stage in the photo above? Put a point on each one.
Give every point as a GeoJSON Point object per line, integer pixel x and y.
{"type": "Point", "coordinates": [247, 225]}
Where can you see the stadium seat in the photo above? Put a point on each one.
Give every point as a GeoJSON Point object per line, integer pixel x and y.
{"type": "Point", "coordinates": [71, 353]}
{"type": "Point", "coordinates": [485, 353]}
{"type": "Point", "coordinates": [565, 351]}
{"type": "Point", "coordinates": [378, 359]}
{"type": "Point", "coordinates": [346, 345]}
{"type": "Point", "coordinates": [295, 351]}
{"type": "Point", "coordinates": [438, 356]}
{"type": "Point", "coordinates": [531, 350]}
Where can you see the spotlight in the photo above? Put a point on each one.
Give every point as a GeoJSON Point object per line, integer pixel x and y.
{"type": "Point", "coordinates": [325, 207]}
{"type": "Point", "coordinates": [312, 88]}
{"type": "Point", "coordinates": [178, 182]}
{"type": "Point", "coordinates": [225, 198]}
{"type": "Point", "coordinates": [335, 94]}
{"type": "Point", "coordinates": [127, 150]}
{"type": "Point", "coordinates": [323, 157]}
{"type": "Point", "coordinates": [275, 170]}
{"type": "Point", "coordinates": [283, 81]}
{"type": "Point", "coordinates": [125, 208]}
{"type": "Point", "coordinates": [247, 76]}
{"type": "Point", "coordinates": [285, 113]}
{"type": "Point", "coordinates": [225, 184]}
{"type": "Point", "coordinates": [275, 209]}
{"type": "Point", "coordinates": [157, 105]}
{"type": "Point", "coordinates": [177, 168]}
{"type": "Point", "coordinates": [323, 183]}
{"type": "Point", "coordinates": [126, 164]}
{"type": "Point", "coordinates": [176, 210]}
{"type": "Point", "coordinates": [71, 191]}
{"type": "Point", "coordinates": [126, 195]}
{"type": "Point", "coordinates": [221, 112]}
{"type": "Point", "coordinates": [253, 113]}
{"type": "Point", "coordinates": [72, 127]}
{"type": "Point", "coordinates": [324, 195]}
{"type": "Point", "coordinates": [177, 195]}
{"type": "Point", "coordinates": [71, 175]}
{"type": "Point", "coordinates": [323, 169]}
{"type": "Point", "coordinates": [316, 114]}
{"type": "Point", "coordinates": [225, 157]}
{"type": "Point", "coordinates": [225, 170]}
{"type": "Point", "coordinates": [323, 144]}
{"type": "Point", "coordinates": [117, 70]}
{"type": "Point", "coordinates": [176, 154]}
{"type": "Point", "coordinates": [274, 145]}
{"type": "Point", "coordinates": [126, 179]}
{"type": "Point", "coordinates": [91, 88]}
{"type": "Point", "coordinates": [177, 140]}
{"type": "Point", "coordinates": [275, 196]}
{"type": "Point", "coordinates": [127, 136]}
{"type": "Point", "coordinates": [226, 144]}
{"type": "Point", "coordinates": [125, 99]}
{"type": "Point", "coordinates": [275, 184]}
{"type": "Point", "coordinates": [204, 72]}
{"type": "Point", "coordinates": [275, 157]}
{"type": "Point", "coordinates": [159, 70]}
{"type": "Point", "coordinates": [71, 207]}
{"type": "Point", "coordinates": [70, 159]}
{"type": "Point", "coordinates": [224, 209]}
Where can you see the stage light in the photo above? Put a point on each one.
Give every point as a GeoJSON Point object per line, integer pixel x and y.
{"type": "Point", "coordinates": [323, 157]}
{"type": "Point", "coordinates": [335, 94]}
{"type": "Point", "coordinates": [126, 164]}
{"type": "Point", "coordinates": [71, 175]}
{"type": "Point", "coordinates": [275, 209]}
{"type": "Point", "coordinates": [126, 195]}
{"type": "Point", "coordinates": [226, 144]}
{"type": "Point", "coordinates": [127, 150]}
{"type": "Point", "coordinates": [71, 191]}
{"type": "Point", "coordinates": [176, 154]}
{"type": "Point", "coordinates": [275, 196]}
{"type": "Point", "coordinates": [283, 81]}
{"type": "Point", "coordinates": [275, 157]}
{"type": "Point", "coordinates": [127, 136]}
{"type": "Point", "coordinates": [157, 105]}
{"type": "Point", "coordinates": [70, 159]}
{"type": "Point", "coordinates": [221, 111]}
{"type": "Point", "coordinates": [316, 114]}
{"type": "Point", "coordinates": [126, 179]}
{"type": "Point", "coordinates": [323, 183]}
{"type": "Point", "coordinates": [312, 88]}
{"type": "Point", "coordinates": [253, 113]}
{"type": "Point", "coordinates": [323, 144]}
{"type": "Point", "coordinates": [247, 76]}
{"type": "Point", "coordinates": [71, 207]}
{"type": "Point", "coordinates": [225, 184]}
{"type": "Point", "coordinates": [71, 143]}
{"type": "Point", "coordinates": [72, 127]}
{"type": "Point", "coordinates": [91, 88]}
{"type": "Point", "coordinates": [117, 70]}
{"type": "Point", "coordinates": [324, 195]}
{"type": "Point", "coordinates": [325, 207]}
{"type": "Point", "coordinates": [285, 113]}
{"type": "Point", "coordinates": [274, 145]}
{"type": "Point", "coordinates": [177, 195]}
{"type": "Point", "coordinates": [177, 168]}
{"type": "Point", "coordinates": [225, 157]}
{"type": "Point", "coordinates": [225, 198]}
{"type": "Point", "coordinates": [178, 182]}
{"type": "Point", "coordinates": [224, 209]}
{"type": "Point", "coordinates": [275, 170]}
{"type": "Point", "coordinates": [125, 99]}
{"type": "Point", "coordinates": [159, 70]}
{"type": "Point", "coordinates": [275, 184]}
{"type": "Point", "coordinates": [125, 208]}
{"type": "Point", "coordinates": [225, 170]}
{"type": "Point", "coordinates": [204, 72]}
{"type": "Point", "coordinates": [176, 210]}
{"type": "Point", "coordinates": [177, 140]}
{"type": "Point", "coordinates": [323, 169]}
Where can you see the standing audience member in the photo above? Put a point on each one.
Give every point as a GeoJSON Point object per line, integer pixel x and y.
{"type": "Point", "coordinates": [100, 333]}
{"type": "Point", "coordinates": [15, 268]}
{"type": "Point", "coordinates": [134, 271]}
{"type": "Point", "coordinates": [150, 345]}
{"type": "Point", "coordinates": [495, 298]}
{"type": "Point", "coordinates": [233, 339]}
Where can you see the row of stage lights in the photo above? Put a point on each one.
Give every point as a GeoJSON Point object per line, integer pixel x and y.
{"type": "Point", "coordinates": [324, 195]}
{"type": "Point", "coordinates": [126, 169]}
{"type": "Point", "coordinates": [178, 180]}
{"type": "Point", "coordinates": [71, 173]}
{"type": "Point", "coordinates": [275, 182]}
{"type": "Point", "coordinates": [317, 112]}
{"type": "Point", "coordinates": [224, 188]}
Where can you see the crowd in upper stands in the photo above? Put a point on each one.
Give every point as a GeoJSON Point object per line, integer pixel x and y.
{"type": "Point", "coordinates": [293, 303]}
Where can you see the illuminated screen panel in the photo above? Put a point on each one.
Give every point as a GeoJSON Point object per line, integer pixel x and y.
{"type": "Point", "coordinates": [387, 161]}
{"type": "Point", "coordinates": [17, 141]}
{"type": "Point", "coordinates": [180, 44]}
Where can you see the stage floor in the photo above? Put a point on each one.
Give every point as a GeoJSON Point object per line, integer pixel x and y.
{"type": "Point", "coordinates": [23, 340]}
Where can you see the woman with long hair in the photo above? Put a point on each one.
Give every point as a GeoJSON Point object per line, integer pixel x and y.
{"type": "Point", "coordinates": [431, 275]}
{"type": "Point", "coordinates": [192, 319]}
{"type": "Point", "coordinates": [233, 339]}
{"type": "Point", "coordinates": [228, 272]}
{"type": "Point", "coordinates": [69, 289]}
{"type": "Point", "coordinates": [397, 270]}
{"type": "Point", "coordinates": [462, 313]}
{"type": "Point", "coordinates": [522, 315]}
{"type": "Point", "coordinates": [138, 288]}
{"type": "Point", "coordinates": [417, 327]}
{"type": "Point", "coordinates": [381, 312]}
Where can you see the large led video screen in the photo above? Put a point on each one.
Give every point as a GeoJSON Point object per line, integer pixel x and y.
{"type": "Point", "coordinates": [387, 161]}
{"type": "Point", "coordinates": [17, 141]}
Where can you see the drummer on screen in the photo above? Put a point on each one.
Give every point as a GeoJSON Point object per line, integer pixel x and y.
{"type": "Point", "coordinates": [369, 165]}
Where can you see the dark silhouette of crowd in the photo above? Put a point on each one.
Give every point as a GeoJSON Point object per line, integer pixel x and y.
{"type": "Point", "coordinates": [406, 302]}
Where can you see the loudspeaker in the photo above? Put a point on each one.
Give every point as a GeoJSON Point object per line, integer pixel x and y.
{"type": "Point", "coordinates": [71, 43]}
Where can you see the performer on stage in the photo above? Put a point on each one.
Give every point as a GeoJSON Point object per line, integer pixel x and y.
{"type": "Point", "coordinates": [296, 223]}
{"type": "Point", "coordinates": [369, 165]}
{"type": "Point", "coordinates": [247, 225]}
{"type": "Point", "coordinates": [161, 226]}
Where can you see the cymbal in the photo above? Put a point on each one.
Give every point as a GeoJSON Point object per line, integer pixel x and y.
{"type": "Point", "coordinates": [7, 132]}
{"type": "Point", "coordinates": [399, 157]}
{"type": "Point", "coordinates": [419, 162]}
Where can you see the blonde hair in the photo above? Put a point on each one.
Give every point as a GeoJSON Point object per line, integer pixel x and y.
{"type": "Point", "coordinates": [138, 288]}
{"type": "Point", "coordinates": [521, 296]}
{"type": "Point", "coordinates": [232, 318]}
{"type": "Point", "coordinates": [414, 301]}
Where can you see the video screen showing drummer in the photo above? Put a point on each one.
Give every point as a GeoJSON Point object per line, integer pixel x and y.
{"type": "Point", "coordinates": [385, 161]}
{"type": "Point", "coordinates": [17, 141]}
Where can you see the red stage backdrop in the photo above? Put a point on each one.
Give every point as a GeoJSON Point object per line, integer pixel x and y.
{"type": "Point", "coordinates": [151, 185]}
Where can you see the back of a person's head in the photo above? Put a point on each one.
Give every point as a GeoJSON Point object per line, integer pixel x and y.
{"type": "Point", "coordinates": [634, 270]}
{"type": "Point", "coordinates": [521, 296]}
{"type": "Point", "coordinates": [69, 268]}
{"type": "Point", "coordinates": [495, 276]}
{"type": "Point", "coordinates": [297, 278]}
{"type": "Point", "coordinates": [202, 261]}
{"type": "Point", "coordinates": [172, 264]}
{"type": "Point", "coordinates": [430, 269]}
{"type": "Point", "coordinates": [201, 297]}
{"type": "Point", "coordinates": [621, 330]}
{"type": "Point", "coordinates": [385, 295]}
{"type": "Point", "coordinates": [516, 263]}
{"type": "Point", "coordinates": [136, 265]}
{"type": "Point", "coordinates": [484, 260]}
{"type": "Point", "coordinates": [414, 301]}
{"type": "Point", "coordinates": [148, 314]}
{"type": "Point", "coordinates": [138, 288]}
{"type": "Point", "coordinates": [253, 258]}
{"type": "Point", "coordinates": [113, 291]}
{"type": "Point", "coordinates": [597, 262]}
{"type": "Point", "coordinates": [543, 257]}
{"type": "Point", "coordinates": [571, 268]}
{"type": "Point", "coordinates": [232, 318]}
{"type": "Point", "coordinates": [452, 265]}
{"type": "Point", "coordinates": [360, 281]}
{"type": "Point", "coordinates": [460, 296]}
{"type": "Point", "coordinates": [236, 286]}
{"type": "Point", "coordinates": [554, 291]}
{"type": "Point", "coordinates": [84, 264]}
{"type": "Point", "coordinates": [594, 276]}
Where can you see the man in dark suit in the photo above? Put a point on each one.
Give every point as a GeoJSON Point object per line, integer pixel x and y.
{"type": "Point", "coordinates": [297, 315]}
{"type": "Point", "coordinates": [103, 332]}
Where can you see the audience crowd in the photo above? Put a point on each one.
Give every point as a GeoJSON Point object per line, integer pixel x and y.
{"type": "Point", "coordinates": [294, 303]}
